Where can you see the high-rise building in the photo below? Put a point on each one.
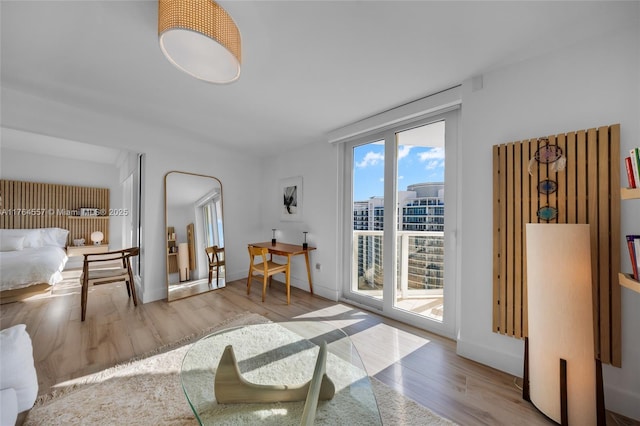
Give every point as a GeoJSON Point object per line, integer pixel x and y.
{"type": "Point", "coordinates": [420, 232]}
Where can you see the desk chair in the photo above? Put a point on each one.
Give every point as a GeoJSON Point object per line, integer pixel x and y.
{"type": "Point", "coordinates": [92, 273]}
{"type": "Point", "coordinates": [267, 268]}
{"type": "Point", "coordinates": [215, 255]}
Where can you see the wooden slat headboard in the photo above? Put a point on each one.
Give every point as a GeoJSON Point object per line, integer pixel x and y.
{"type": "Point", "coordinates": [31, 205]}
{"type": "Point", "coordinates": [588, 191]}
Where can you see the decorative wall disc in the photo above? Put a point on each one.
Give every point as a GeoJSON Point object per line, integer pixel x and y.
{"type": "Point", "coordinates": [548, 153]}
{"type": "Point", "coordinates": [547, 213]}
{"type": "Point", "coordinates": [547, 186]}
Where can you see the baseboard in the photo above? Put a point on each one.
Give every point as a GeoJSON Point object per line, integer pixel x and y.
{"type": "Point", "coordinates": [617, 400]}
{"type": "Point", "coordinates": [148, 295]}
{"type": "Point", "coordinates": [327, 293]}
{"type": "Point", "coordinates": [301, 283]}
{"type": "Point", "coordinates": [488, 356]}
{"type": "Point", "coordinates": [622, 402]}
{"type": "Point", "coordinates": [158, 293]}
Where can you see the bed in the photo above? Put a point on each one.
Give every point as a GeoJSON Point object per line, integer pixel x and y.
{"type": "Point", "coordinates": [31, 260]}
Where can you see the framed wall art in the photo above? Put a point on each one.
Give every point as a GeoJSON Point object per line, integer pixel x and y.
{"type": "Point", "coordinates": [290, 198]}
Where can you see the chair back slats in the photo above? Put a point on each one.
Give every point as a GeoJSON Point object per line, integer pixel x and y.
{"type": "Point", "coordinates": [267, 268]}
{"type": "Point", "coordinates": [215, 256]}
{"type": "Point", "coordinates": [91, 275]}
{"type": "Point", "coordinates": [112, 255]}
{"type": "Point", "coordinates": [258, 252]}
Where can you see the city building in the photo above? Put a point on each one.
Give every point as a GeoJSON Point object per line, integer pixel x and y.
{"type": "Point", "coordinates": [420, 234]}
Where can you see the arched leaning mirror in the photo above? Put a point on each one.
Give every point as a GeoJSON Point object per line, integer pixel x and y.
{"type": "Point", "coordinates": [194, 234]}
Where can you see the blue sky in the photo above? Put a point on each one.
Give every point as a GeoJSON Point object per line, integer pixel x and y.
{"type": "Point", "coordinates": [416, 164]}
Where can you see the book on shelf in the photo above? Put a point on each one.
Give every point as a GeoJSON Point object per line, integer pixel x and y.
{"type": "Point", "coordinates": [633, 244]}
{"type": "Point", "coordinates": [634, 157]}
{"type": "Point", "coordinates": [636, 247]}
{"type": "Point", "coordinates": [630, 177]}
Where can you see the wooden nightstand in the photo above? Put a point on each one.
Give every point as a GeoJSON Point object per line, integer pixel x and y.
{"type": "Point", "coordinates": [76, 254]}
{"type": "Point", "coordinates": [81, 250]}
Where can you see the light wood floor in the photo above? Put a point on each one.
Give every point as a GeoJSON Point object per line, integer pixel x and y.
{"type": "Point", "coordinates": [422, 366]}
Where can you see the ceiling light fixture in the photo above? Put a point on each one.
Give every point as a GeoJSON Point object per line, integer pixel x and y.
{"type": "Point", "coordinates": [200, 38]}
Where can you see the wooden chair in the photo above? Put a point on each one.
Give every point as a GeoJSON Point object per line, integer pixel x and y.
{"type": "Point", "coordinates": [267, 268]}
{"type": "Point", "coordinates": [216, 258]}
{"type": "Point", "coordinates": [93, 273]}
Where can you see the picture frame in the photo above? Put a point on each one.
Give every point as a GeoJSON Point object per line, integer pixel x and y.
{"type": "Point", "coordinates": [290, 198]}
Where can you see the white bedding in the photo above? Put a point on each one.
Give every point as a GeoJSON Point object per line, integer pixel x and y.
{"type": "Point", "coordinates": [34, 265]}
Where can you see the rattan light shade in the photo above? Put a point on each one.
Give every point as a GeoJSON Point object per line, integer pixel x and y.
{"type": "Point", "coordinates": [200, 38]}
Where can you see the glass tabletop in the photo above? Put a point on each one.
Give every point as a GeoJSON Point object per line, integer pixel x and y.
{"type": "Point", "coordinates": [280, 354]}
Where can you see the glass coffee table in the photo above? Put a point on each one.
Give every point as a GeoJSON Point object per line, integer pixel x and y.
{"type": "Point", "coordinates": [280, 354]}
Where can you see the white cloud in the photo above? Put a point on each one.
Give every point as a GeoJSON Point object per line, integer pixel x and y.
{"type": "Point", "coordinates": [403, 151]}
{"type": "Point", "coordinates": [435, 164]}
{"type": "Point", "coordinates": [371, 159]}
{"type": "Point", "coordinates": [432, 154]}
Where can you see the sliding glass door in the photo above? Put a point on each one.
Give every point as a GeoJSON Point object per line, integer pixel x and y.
{"type": "Point", "coordinates": [399, 208]}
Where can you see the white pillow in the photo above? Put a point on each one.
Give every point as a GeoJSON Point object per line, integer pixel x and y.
{"type": "Point", "coordinates": [17, 370]}
{"type": "Point", "coordinates": [11, 243]}
{"type": "Point", "coordinates": [32, 237]}
{"type": "Point", "coordinates": [56, 237]}
{"type": "Point", "coordinates": [8, 407]}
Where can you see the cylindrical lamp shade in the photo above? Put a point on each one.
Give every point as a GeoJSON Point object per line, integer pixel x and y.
{"type": "Point", "coordinates": [560, 319]}
{"type": "Point", "coordinates": [200, 38]}
{"type": "Point", "coordinates": [183, 261]}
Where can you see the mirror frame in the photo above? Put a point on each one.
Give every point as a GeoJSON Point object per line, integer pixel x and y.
{"type": "Point", "coordinates": [166, 226]}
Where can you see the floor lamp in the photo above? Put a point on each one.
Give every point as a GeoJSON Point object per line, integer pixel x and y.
{"type": "Point", "coordinates": [562, 376]}
{"type": "Point", "coordinates": [183, 261]}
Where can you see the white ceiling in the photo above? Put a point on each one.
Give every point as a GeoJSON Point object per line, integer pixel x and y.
{"type": "Point", "coordinates": [309, 67]}
{"type": "Point", "coordinates": [57, 147]}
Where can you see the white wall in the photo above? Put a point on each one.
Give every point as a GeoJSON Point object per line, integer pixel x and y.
{"type": "Point", "coordinates": [238, 174]}
{"type": "Point", "coordinates": [33, 167]}
{"type": "Point", "coordinates": [316, 163]}
{"type": "Point", "coordinates": [165, 150]}
{"type": "Point", "coordinates": [592, 84]}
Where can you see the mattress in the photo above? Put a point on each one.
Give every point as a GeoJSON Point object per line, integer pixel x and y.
{"type": "Point", "coordinates": [36, 265]}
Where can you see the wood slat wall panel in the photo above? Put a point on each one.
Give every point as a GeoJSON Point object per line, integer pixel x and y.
{"type": "Point", "coordinates": [496, 237]}
{"type": "Point", "coordinates": [603, 249]}
{"type": "Point", "coordinates": [588, 191]}
{"type": "Point", "coordinates": [561, 178]}
{"type": "Point", "coordinates": [526, 218]}
{"type": "Point", "coordinates": [517, 243]}
{"type": "Point", "coordinates": [590, 217]}
{"type": "Point", "coordinates": [510, 279]}
{"type": "Point", "coordinates": [28, 205]}
{"type": "Point", "coordinates": [614, 228]}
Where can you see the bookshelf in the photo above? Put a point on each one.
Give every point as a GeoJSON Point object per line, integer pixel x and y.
{"type": "Point", "coordinates": [626, 280]}
{"type": "Point", "coordinates": [172, 250]}
{"type": "Point", "coordinates": [630, 193]}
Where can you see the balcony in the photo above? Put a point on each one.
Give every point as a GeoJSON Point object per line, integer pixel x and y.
{"type": "Point", "coordinates": [420, 269]}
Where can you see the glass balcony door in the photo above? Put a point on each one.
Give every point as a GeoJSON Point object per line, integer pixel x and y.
{"type": "Point", "coordinates": [399, 216]}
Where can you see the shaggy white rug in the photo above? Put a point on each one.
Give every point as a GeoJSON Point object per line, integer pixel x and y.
{"type": "Point", "coordinates": [148, 391]}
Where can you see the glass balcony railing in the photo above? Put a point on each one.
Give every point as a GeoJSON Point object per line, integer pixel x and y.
{"type": "Point", "coordinates": [420, 257]}
{"type": "Point", "coordinates": [420, 270]}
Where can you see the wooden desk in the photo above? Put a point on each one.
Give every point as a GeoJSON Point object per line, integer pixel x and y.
{"type": "Point", "coordinates": [288, 250]}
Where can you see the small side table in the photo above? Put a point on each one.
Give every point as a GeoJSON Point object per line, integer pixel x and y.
{"type": "Point", "coordinates": [82, 250]}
